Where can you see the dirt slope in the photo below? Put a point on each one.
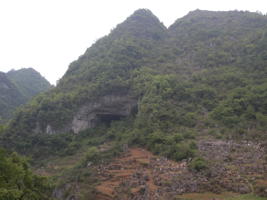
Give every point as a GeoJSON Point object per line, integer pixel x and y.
{"type": "Point", "coordinates": [137, 175]}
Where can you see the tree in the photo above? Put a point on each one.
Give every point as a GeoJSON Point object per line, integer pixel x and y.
{"type": "Point", "coordinates": [17, 182]}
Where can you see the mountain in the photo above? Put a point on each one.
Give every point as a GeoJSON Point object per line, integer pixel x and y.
{"type": "Point", "coordinates": [10, 96]}
{"type": "Point", "coordinates": [18, 87]}
{"type": "Point", "coordinates": [194, 93]}
{"type": "Point", "coordinates": [28, 81]}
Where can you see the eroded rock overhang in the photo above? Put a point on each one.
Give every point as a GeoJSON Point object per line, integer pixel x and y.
{"type": "Point", "coordinates": [107, 109]}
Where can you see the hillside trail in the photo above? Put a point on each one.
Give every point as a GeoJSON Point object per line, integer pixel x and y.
{"type": "Point", "coordinates": [138, 174]}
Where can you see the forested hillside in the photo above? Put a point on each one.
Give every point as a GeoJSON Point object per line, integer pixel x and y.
{"type": "Point", "coordinates": [18, 182]}
{"type": "Point", "coordinates": [28, 81]}
{"type": "Point", "coordinates": [10, 96]}
{"type": "Point", "coordinates": [18, 87]}
{"type": "Point", "coordinates": [178, 92]}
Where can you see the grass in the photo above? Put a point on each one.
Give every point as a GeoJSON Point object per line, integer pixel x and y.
{"type": "Point", "coordinates": [222, 196]}
{"type": "Point", "coordinates": [247, 197]}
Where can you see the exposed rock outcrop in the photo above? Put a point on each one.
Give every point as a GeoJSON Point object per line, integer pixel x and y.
{"type": "Point", "coordinates": [105, 110]}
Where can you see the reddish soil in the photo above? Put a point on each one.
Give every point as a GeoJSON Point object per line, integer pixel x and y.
{"type": "Point", "coordinates": [135, 175]}
{"type": "Point", "coordinates": [139, 174]}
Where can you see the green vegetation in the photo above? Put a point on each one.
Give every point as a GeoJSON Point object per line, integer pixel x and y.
{"type": "Point", "coordinates": [206, 71]}
{"type": "Point", "coordinates": [225, 76]}
{"type": "Point", "coordinates": [223, 196]}
{"type": "Point", "coordinates": [247, 197]}
{"type": "Point", "coordinates": [10, 97]}
{"type": "Point", "coordinates": [17, 182]}
{"type": "Point", "coordinates": [28, 81]}
{"type": "Point", "coordinates": [198, 164]}
{"type": "Point", "coordinates": [205, 76]}
{"type": "Point", "coordinates": [261, 188]}
{"type": "Point", "coordinates": [17, 87]}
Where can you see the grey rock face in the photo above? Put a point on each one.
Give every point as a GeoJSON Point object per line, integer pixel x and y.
{"type": "Point", "coordinates": [104, 110]}
{"type": "Point", "coordinates": [49, 129]}
{"type": "Point", "coordinates": [107, 109]}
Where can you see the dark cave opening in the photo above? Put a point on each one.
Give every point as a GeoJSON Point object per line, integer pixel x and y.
{"type": "Point", "coordinates": [108, 118]}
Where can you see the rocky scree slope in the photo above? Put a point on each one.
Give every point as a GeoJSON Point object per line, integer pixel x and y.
{"type": "Point", "coordinates": [138, 174]}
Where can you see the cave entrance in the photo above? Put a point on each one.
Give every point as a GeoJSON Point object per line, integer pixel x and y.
{"type": "Point", "coordinates": [108, 118]}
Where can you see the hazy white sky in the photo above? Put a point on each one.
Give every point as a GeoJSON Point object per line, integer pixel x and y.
{"type": "Point", "coordinates": [49, 34]}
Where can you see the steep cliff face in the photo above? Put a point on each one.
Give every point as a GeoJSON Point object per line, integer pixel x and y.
{"type": "Point", "coordinates": [106, 110]}
{"type": "Point", "coordinates": [103, 111]}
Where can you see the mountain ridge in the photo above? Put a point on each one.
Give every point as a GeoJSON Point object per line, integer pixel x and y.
{"type": "Point", "coordinates": [177, 92]}
{"type": "Point", "coordinates": [29, 81]}
{"type": "Point", "coordinates": [10, 96]}
{"type": "Point", "coordinates": [109, 66]}
{"type": "Point", "coordinates": [20, 86]}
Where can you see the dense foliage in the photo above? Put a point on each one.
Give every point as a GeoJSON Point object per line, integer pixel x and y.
{"type": "Point", "coordinates": [206, 74]}
{"type": "Point", "coordinates": [203, 77]}
{"type": "Point", "coordinates": [17, 182]}
{"type": "Point", "coordinates": [28, 81]}
{"type": "Point", "coordinates": [10, 97]}
{"type": "Point", "coordinates": [17, 87]}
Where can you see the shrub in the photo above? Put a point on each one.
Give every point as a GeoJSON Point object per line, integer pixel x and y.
{"type": "Point", "coordinates": [178, 138]}
{"type": "Point", "coordinates": [261, 188]}
{"type": "Point", "coordinates": [183, 151]}
{"type": "Point", "coordinates": [17, 181]}
{"type": "Point", "coordinates": [189, 134]}
{"type": "Point", "coordinates": [92, 156]}
{"type": "Point", "coordinates": [198, 164]}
